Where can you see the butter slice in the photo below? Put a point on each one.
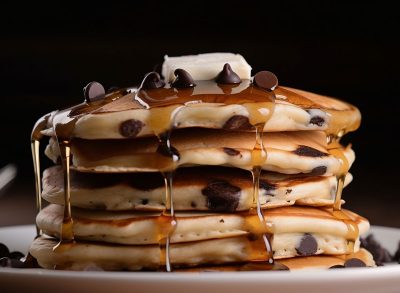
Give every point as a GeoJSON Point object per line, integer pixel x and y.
{"type": "Point", "coordinates": [205, 66]}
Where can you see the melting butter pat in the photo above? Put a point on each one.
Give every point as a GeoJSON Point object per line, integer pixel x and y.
{"type": "Point", "coordinates": [205, 66]}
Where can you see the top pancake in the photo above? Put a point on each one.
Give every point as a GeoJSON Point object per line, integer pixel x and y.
{"type": "Point", "coordinates": [208, 105]}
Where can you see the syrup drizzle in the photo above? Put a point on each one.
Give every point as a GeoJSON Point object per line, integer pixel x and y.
{"type": "Point", "coordinates": [63, 127]}
{"type": "Point", "coordinates": [167, 221]}
{"type": "Point", "coordinates": [167, 224]}
{"type": "Point", "coordinates": [261, 231]}
{"type": "Point", "coordinates": [172, 100]}
{"type": "Point", "coordinates": [63, 131]}
{"type": "Point", "coordinates": [335, 149]}
{"type": "Point", "coordinates": [36, 137]}
{"type": "Point", "coordinates": [161, 122]}
{"type": "Point", "coordinates": [259, 104]}
{"type": "Point", "coordinates": [164, 104]}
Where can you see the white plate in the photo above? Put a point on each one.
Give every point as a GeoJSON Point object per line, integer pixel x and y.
{"type": "Point", "coordinates": [381, 279]}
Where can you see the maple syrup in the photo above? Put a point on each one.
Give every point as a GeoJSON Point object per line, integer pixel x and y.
{"type": "Point", "coordinates": [336, 150]}
{"type": "Point", "coordinates": [36, 137]}
{"type": "Point", "coordinates": [163, 105]}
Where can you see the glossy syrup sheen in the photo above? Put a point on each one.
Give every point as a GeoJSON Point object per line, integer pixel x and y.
{"type": "Point", "coordinates": [205, 91]}
{"type": "Point", "coordinates": [163, 105]}
{"type": "Point", "coordinates": [335, 149]}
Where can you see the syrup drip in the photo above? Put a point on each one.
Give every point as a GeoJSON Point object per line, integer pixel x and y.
{"type": "Point", "coordinates": [67, 234]}
{"type": "Point", "coordinates": [63, 133]}
{"type": "Point", "coordinates": [260, 250]}
{"type": "Point", "coordinates": [167, 221]}
{"type": "Point", "coordinates": [261, 231]}
{"type": "Point", "coordinates": [260, 105]}
{"type": "Point", "coordinates": [36, 137]}
{"type": "Point", "coordinates": [35, 147]}
{"type": "Point", "coordinates": [63, 125]}
{"type": "Point", "coordinates": [161, 122]}
{"type": "Point", "coordinates": [335, 149]}
{"type": "Point", "coordinates": [163, 105]}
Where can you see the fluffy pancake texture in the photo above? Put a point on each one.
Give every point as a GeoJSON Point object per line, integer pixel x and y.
{"type": "Point", "coordinates": [207, 169]}
{"type": "Point", "coordinates": [202, 189]}
{"type": "Point", "coordinates": [289, 225]}
{"type": "Point", "coordinates": [288, 152]}
{"type": "Point", "coordinates": [92, 255]}
{"type": "Point", "coordinates": [294, 110]}
{"type": "Point", "coordinates": [297, 263]}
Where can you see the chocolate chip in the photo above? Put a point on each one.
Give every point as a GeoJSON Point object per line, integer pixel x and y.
{"type": "Point", "coordinates": [288, 191]}
{"type": "Point", "coordinates": [4, 252]}
{"type": "Point", "coordinates": [130, 128]}
{"type": "Point", "coordinates": [317, 120]}
{"type": "Point", "coordinates": [222, 196]}
{"type": "Point", "coordinates": [318, 171]}
{"type": "Point", "coordinates": [354, 263]}
{"type": "Point", "coordinates": [152, 80]}
{"type": "Point", "coordinates": [337, 267]}
{"type": "Point", "coordinates": [268, 187]}
{"type": "Point", "coordinates": [307, 246]}
{"type": "Point", "coordinates": [228, 76]}
{"type": "Point", "coordinates": [144, 201]}
{"type": "Point", "coordinates": [238, 122]}
{"type": "Point", "coordinates": [16, 255]}
{"type": "Point", "coordinates": [7, 262]}
{"type": "Point", "coordinates": [380, 254]}
{"type": "Point", "coordinates": [231, 152]}
{"type": "Point", "coordinates": [193, 204]}
{"type": "Point", "coordinates": [266, 80]}
{"type": "Point", "coordinates": [183, 79]}
{"type": "Point", "coordinates": [306, 151]}
{"type": "Point", "coordinates": [93, 91]}
{"type": "Point", "coordinates": [222, 221]}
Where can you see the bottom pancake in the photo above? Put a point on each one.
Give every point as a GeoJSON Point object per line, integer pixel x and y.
{"type": "Point", "coordinates": [100, 256]}
{"type": "Point", "coordinates": [362, 258]}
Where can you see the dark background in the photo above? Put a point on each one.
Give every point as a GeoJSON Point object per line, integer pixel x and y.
{"type": "Point", "coordinates": [48, 53]}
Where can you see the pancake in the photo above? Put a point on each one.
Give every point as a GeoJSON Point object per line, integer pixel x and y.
{"type": "Point", "coordinates": [206, 128]}
{"type": "Point", "coordinates": [289, 225]}
{"type": "Point", "coordinates": [87, 255]}
{"type": "Point", "coordinates": [294, 110]}
{"type": "Point", "coordinates": [288, 152]}
{"type": "Point", "coordinates": [216, 189]}
{"type": "Point", "coordinates": [299, 263]}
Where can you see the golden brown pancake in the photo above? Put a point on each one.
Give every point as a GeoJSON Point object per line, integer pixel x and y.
{"type": "Point", "coordinates": [289, 225]}
{"type": "Point", "coordinates": [216, 189]}
{"type": "Point", "coordinates": [288, 152]}
{"type": "Point", "coordinates": [92, 255]}
{"type": "Point", "coordinates": [294, 110]}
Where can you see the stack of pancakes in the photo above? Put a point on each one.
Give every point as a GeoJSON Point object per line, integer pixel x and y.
{"type": "Point", "coordinates": [177, 175]}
